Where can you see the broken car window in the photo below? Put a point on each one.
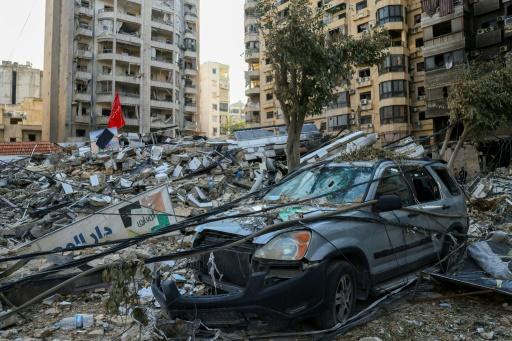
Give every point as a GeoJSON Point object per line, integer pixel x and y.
{"type": "Point", "coordinates": [448, 181]}
{"type": "Point", "coordinates": [393, 182]}
{"type": "Point", "coordinates": [348, 184]}
{"type": "Point", "coordinates": [424, 185]}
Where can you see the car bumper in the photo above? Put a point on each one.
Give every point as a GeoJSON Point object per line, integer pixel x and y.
{"type": "Point", "coordinates": [293, 298]}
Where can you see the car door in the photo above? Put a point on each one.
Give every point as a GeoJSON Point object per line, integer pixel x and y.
{"type": "Point", "coordinates": [426, 238]}
{"type": "Point", "coordinates": [390, 243]}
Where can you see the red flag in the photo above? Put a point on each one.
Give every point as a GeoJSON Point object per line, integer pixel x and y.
{"type": "Point", "coordinates": [116, 119]}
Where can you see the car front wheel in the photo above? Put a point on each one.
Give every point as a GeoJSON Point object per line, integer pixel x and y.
{"type": "Point", "coordinates": [340, 294]}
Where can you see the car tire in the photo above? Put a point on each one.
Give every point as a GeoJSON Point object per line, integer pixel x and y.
{"type": "Point", "coordinates": [340, 295]}
{"type": "Point", "coordinates": [453, 250]}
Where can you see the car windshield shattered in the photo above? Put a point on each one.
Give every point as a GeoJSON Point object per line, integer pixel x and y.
{"type": "Point", "coordinates": [338, 184]}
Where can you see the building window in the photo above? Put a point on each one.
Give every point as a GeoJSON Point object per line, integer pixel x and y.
{"type": "Point", "coordinates": [31, 137]}
{"type": "Point", "coordinates": [342, 100]}
{"type": "Point", "coordinates": [12, 139]}
{"type": "Point", "coordinates": [420, 67]}
{"type": "Point", "coordinates": [362, 28]}
{"type": "Point", "coordinates": [364, 73]}
{"type": "Point", "coordinates": [420, 91]}
{"type": "Point", "coordinates": [224, 107]}
{"type": "Point", "coordinates": [392, 13]}
{"type": "Point", "coordinates": [367, 119]}
{"type": "Point", "coordinates": [421, 115]}
{"type": "Point", "coordinates": [442, 28]}
{"type": "Point", "coordinates": [267, 61]}
{"type": "Point", "coordinates": [80, 133]}
{"type": "Point", "coordinates": [361, 5]}
{"type": "Point", "coordinates": [393, 114]}
{"type": "Point", "coordinates": [393, 63]}
{"type": "Point", "coordinates": [105, 112]}
{"type": "Point", "coordinates": [15, 121]}
{"type": "Point", "coordinates": [393, 88]}
{"type": "Point", "coordinates": [365, 97]}
{"type": "Point", "coordinates": [270, 115]}
{"type": "Point", "coordinates": [269, 79]}
{"type": "Point", "coordinates": [214, 131]}
{"type": "Point", "coordinates": [444, 61]}
{"type": "Point", "coordinates": [419, 42]}
{"type": "Point", "coordinates": [269, 96]}
{"type": "Point", "coordinates": [214, 107]}
{"type": "Point", "coordinates": [417, 19]}
{"type": "Point", "coordinates": [214, 71]}
{"type": "Point", "coordinates": [338, 122]}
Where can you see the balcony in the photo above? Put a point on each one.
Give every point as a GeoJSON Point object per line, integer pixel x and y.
{"type": "Point", "coordinates": [252, 55]}
{"type": "Point", "coordinates": [437, 108]}
{"type": "Point", "coordinates": [250, 4]}
{"type": "Point", "coordinates": [190, 53]}
{"type": "Point", "coordinates": [85, 54]}
{"type": "Point", "coordinates": [363, 82]}
{"type": "Point", "coordinates": [128, 79]}
{"type": "Point", "coordinates": [124, 57]}
{"type": "Point", "coordinates": [129, 18]}
{"type": "Point", "coordinates": [106, 13]}
{"type": "Point", "coordinates": [104, 77]}
{"type": "Point", "coordinates": [190, 107]}
{"type": "Point", "coordinates": [83, 119]}
{"type": "Point", "coordinates": [105, 97]}
{"type": "Point", "coordinates": [85, 11]}
{"type": "Point", "coordinates": [129, 98]}
{"type": "Point", "coordinates": [160, 23]}
{"type": "Point", "coordinates": [366, 104]}
{"type": "Point", "coordinates": [488, 37]}
{"type": "Point", "coordinates": [445, 43]}
{"type": "Point", "coordinates": [84, 30]}
{"type": "Point", "coordinates": [162, 83]}
{"type": "Point", "coordinates": [190, 16]}
{"type": "Point", "coordinates": [252, 106]}
{"type": "Point", "coordinates": [252, 91]}
{"type": "Point", "coordinates": [458, 11]}
{"type": "Point", "coordinates": [162, 104]}
{"type": "Point", "coordinates": [190, 72]}
{"type": "Point", "coordinates": [162, 63]}
{"type": "Point", "coordinates": [251, 36]}
{"type": "Point", "coordinates": [83, 75]}
{"type": "Point", "coordinates": [190, 89]}
{"type": "Point", "coordinates": [252, 74]}
{"type": "Point", "coordinates": [164, 44]}
{"type": "Point", "coordinates": [190, 34]}
{"type": "Point", "coordinates": [82, 96]}
{"type": "Point", "coordinates": [133, 38]}
{"type": "Point", "coordinates": [363, 13]}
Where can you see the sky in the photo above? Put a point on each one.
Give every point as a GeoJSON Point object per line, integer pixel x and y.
{"type": "Point", "coordinates": [221, 35]}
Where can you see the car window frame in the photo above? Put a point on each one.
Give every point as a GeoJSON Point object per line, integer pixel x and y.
{"type": "Point", "coordinates": [404, 179]}
{"type": "Point", "coordinates": [440, 188]}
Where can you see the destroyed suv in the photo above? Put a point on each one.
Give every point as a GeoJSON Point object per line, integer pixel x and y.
{"type": "Point", "coordinates": [394, 220]}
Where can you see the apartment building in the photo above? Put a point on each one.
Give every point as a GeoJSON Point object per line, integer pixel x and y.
{"type": "Point", "coordinates": [214, 97]}
{"type": "Point", "coordinates": [388, 99]}
{"type": "Point", "coordinates": [19, 81]}
{"type": "Point", "coordinates": [236, 112]}
{"type": "Point", "coordinates": [455, 32]}
{"type": "Point", "coordinates": [145, 50]}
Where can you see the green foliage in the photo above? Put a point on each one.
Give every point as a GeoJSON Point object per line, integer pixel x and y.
{"type": "Point", "coordinates": [482, 98]}
{"type": "Point", "coordinates": [309, 62]}
{"type": "Point", "coordinates": [231, 125]}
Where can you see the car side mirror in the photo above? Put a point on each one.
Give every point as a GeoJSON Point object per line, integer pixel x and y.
{"type": "Point", "coordinates": [388, 203]}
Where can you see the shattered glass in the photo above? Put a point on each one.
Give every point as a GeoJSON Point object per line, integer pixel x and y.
{"type": "Point", "coordinates": [346, 183]}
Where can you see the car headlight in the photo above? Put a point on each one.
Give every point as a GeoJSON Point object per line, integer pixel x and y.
{"type": "Point", "coordinates": [286, 246]}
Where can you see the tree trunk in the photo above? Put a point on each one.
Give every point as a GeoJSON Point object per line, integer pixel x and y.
{"type": "Point", "coordinates": [445, 142]}
{"type": "Point", "coordinates": [460, 142]}
{"type": "Point", "coordinates": [293, 144]}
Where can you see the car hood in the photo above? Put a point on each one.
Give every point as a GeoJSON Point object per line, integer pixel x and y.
{"type": "Point", "coordinates": [248, 225]}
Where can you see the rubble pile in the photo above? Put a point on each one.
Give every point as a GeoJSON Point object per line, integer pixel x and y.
{"type": "Point", "coordinates": [41, 194]}
{"type": "Point", "coordinates": [491, 202]}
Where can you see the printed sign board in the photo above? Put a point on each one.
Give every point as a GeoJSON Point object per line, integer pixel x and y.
{"type": "Point", "coordinates": [144, 213]}
{"type": "Point", "coordinates": [112, 145]}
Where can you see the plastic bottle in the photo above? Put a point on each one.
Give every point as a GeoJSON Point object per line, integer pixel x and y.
{"type": "Point", "coordinates": [79, 321]}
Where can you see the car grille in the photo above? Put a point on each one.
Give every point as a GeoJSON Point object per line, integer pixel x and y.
{"type": "Point", "coordinates": [233, 263]}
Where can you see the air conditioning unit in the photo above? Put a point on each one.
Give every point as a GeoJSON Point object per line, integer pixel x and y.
{"type": "Point", "coordinates": [503, 48]}
{"type": "Point", "coordinates": [414, 109]}
{"type": "Point", "coordinates": [352, 116]}
{"type": "Point", "coordinates": [352, 91]}
{"type": "Point", "coordinates": [370, 125]}
{"type": "Point", "coordinates": [500, 18]}
{"type": "Point", "coordinates": [364, 101]}
{"type": "Point", "coordinates": [418, 124]}
{"type": "Point", "coordinates": [371, 25]}
{"type": "Point", "coordinates": [481, 31]}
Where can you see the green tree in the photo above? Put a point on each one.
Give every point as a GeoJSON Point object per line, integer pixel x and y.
{"type": "Point", "coordinates": [309, 62]}
{"type": "Point", "coordinates": [481, 100]}
{"type": "Point", "coordinates": [230, 125]}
